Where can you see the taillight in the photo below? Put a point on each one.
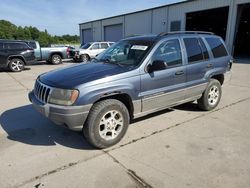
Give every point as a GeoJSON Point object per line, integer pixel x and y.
{"type": "Point", "coordinates": [68, 50]}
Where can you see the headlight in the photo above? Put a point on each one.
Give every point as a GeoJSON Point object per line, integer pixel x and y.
{"type": "Point", "coordinates": [63, 96]}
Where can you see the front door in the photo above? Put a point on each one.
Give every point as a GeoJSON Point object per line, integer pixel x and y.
{"type": "Point", "coordinates": [94, 50]}
{"type": "Point", "coordinates": [166, 87]}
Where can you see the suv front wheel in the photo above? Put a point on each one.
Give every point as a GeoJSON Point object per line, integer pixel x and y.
{"type": "Point", "coordinates": [211, 96]}
{"type": "Point", "coordinates": [16, 65]}
{"type": "Point", "coordinates": [107, 123]}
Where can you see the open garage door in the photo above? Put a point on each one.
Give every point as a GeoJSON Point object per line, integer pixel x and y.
{"type": "Point", "coordinates": [212, 20]}
{"type": "Point", "coordinates": [242, 39]}
{"type": "Point", "coordinates": [87, 36]}
{"type": "Point", "coordinates": [113, 33]}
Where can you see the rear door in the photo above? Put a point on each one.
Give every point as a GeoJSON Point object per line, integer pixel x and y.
{"type": "Point", "coordinates": [94, 50]}
{"type": "Point", "coordinates": [103, 46]}
{"type": "Point", "coordinates": [220, 58]}
{"type": "Point", "coordinates": [198, 65]}
{"type": "Point", "coordinates": [163, 88]}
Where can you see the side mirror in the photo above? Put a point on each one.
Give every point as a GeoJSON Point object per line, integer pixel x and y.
{"type": "Point", "coordinates": [157, 65]}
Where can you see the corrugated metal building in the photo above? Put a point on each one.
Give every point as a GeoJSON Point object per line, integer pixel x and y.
{"type": "Point", "coordinates": [227, 18]}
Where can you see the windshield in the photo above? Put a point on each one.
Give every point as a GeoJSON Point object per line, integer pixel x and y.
{"type": "Point", "coordinates": [126, 52]}
{"type": "Point", "coordinates": [85, 46]}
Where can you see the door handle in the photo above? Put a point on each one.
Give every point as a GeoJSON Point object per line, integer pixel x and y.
{"type": "Point", "coordinates": [179, 73]}
{"type": "Point", "coordinates": [209, 65]}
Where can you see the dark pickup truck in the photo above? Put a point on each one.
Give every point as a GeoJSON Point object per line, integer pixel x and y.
{"type": "Point", "coordinates": [132, 78]}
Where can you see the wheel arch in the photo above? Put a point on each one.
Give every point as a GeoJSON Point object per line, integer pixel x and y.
{"type": "Point", "coordinates": [219, 77]}
{"type": "Point", "coordinates": [122, 97]}
{"type": "Point", "coordinates": [86, 55]}
{"type": "Point", "coordinates": [55, 53]}
{"type": "Point", "coordinates": [15, 57]}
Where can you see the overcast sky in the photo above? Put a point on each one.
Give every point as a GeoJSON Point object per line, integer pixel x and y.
{"type": "Point", "coordinates": [63, 16]}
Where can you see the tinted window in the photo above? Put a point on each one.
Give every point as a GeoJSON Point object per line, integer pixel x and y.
{"type": "Point", "coordinates": [14, 46]}
{"type": "Point", "coordinates": [95, 47]}
{"type": "Point", "coordinates": [1, 46]}
{"type": "Point", "coordinates": [204, 49]}
{"type": "Point", "coordinates": [32, 45]}
{"type": "Point", "coordinates": [169, 52]}
{"type": "Point", "coordinates": [104, 46]}
{"type": "Point", "coordinates": [193, 48]}
{"type": "Point", "coordinates": [217, 47]}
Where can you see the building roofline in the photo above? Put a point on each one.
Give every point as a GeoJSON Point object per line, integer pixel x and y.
{"type": "Point", "coordinates": [129, 13]}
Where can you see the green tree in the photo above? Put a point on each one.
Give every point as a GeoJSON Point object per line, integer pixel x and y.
{"type": "Point", "coordinates": [34, 33]}
{"type": "Point", "coordinates": [7, 29]}
{"type": "Point", "coordinates": [11, 31]}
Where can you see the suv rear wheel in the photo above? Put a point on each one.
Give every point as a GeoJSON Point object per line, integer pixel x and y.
{"type": "Point", "coordinates": [211, 96]}
{"type": "Point", "coordinates": [16, 65]}
{"type": "Point", "coordinates": [107, 123]}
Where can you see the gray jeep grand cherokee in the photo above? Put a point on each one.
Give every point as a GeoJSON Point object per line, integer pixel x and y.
{"type": "Point", "coordinates": [134, 77]}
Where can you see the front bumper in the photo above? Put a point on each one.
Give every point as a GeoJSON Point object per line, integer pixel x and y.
{"type": "Point", "coordinates": [72, 117]}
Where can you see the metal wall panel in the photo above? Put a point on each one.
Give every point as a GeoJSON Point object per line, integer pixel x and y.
{"type": "Point", "coordinates": [97, 31]}
{"type": "Point", "coordinates": [113, 32]}
{"type": "Point", "coordinates": [159, 20]}
{"type": "Point", "coordinates": [153, 19]}
{"type": "Point", "coordinates": [178, 12]}
{"type": "Point", "coordinates": [138, 23]}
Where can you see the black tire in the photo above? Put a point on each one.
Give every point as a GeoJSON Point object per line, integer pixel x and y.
{"type": "Point", "coordinates": [56, 59]}
{"type": "Point", "coordinates": [85, 58]}
{"type": "Point", "coordinates": [98, 134]}
{"type": "Point", "coordinates": [209, 101]}
{"type": "Point", "coordinates": [16, 65]}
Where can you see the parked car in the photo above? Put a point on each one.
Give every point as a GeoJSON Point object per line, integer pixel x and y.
{"type": "Point", "coordinates": [133, 78]}
{"type": "Point", "coordinates": [90, 50]}
{"type": "Point", "coordinates": [15, 55]}
{"type": "Point", "coordinates": [52, 55]}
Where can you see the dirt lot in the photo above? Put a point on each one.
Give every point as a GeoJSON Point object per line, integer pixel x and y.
{"type": "Point", "coordinates": [178, 147]}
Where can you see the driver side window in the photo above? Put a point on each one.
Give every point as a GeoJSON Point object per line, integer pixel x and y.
{"type": "Point", "coordinates": [169, 52]}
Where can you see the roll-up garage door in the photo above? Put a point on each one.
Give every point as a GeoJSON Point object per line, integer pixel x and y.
{"type": "Point", "coordinates": [113, 33]}
{"type": "Point", "coordinates": [87, 36]}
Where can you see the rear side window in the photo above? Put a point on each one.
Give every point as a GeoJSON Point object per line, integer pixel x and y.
{"type": "Point", "coordinates": [16, 46]}
{"type": "Point", "coordinates": [194, 50]}
{"type": "Point", "coordinates": [104, 45]}
{"type": "Point", "coordinates": [1, 46]}
{"type": "Point", "coordinates": [32, 45]}
{"type": "Point", "coordinates": [217, 47]}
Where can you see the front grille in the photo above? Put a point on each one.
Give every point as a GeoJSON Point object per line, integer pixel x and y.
{"type": "Point", "coordinates": [42, 91]}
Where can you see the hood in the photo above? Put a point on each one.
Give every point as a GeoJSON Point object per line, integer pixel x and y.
{"type": "Point", "coordinates": [75, 75]}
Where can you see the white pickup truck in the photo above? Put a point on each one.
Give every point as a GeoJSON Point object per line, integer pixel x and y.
{"type": "Point", "coordinates": [90, 50]}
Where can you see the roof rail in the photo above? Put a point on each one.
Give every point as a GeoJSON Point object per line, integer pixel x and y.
{"type": "Point", "coordinates": [184, 32]}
